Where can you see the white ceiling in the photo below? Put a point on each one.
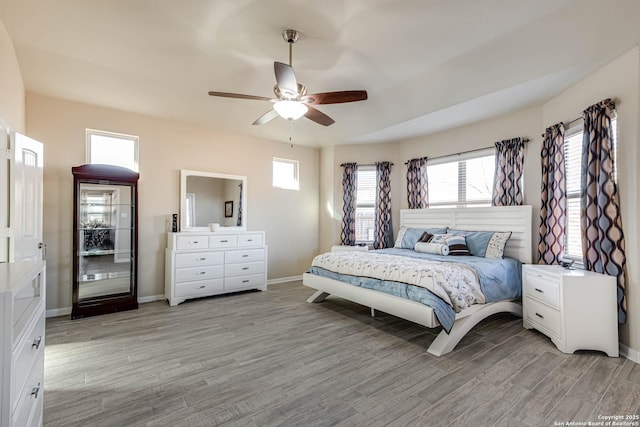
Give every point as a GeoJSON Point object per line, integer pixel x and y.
{"type": "Point", "coordinates": [427, 65]}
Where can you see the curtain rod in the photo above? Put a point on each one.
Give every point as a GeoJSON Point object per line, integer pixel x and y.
{"type": "Point", "coordinates": [465, 152]}
{"type": "Point", "coordinates": [364, 164]}
{"type": "Point", "coordinates": [610, 101]}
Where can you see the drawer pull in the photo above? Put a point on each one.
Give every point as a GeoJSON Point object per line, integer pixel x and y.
{"type": "Point", "coordinates": [224, 241]}
{"type": "Point", "coordinates": [245, 268]}
{"type": "Point", "coordinates": [36, 343]}
{"type": "Point", "coordinates": [245, 256]}
{"type": "Point", "coordinates": [201, 287]}
{"type": "Point", "coordinates": [540, 315]}
{"type": "Point", "coordinates": [201, 259]}
{"type": "Point", "coordinates": [200, 273]}
{"type": "Point", "coordinates": [245, 281]}
{"type": "Point", "coordinates": [35, 391]}
{"type": "Point", "coordinates": [539, 290]}
{"type": "Point", "coordinates": [249, 240]}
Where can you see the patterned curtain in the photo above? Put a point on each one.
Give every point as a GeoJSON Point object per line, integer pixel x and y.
{"type": "Point", "coordinates": [417, 188]}
{"type": "Point", "coordinates": [507, 180]}
{"type": "Point", "coordinates": [240, 207]}
{"type": "Point", "coordinates": [602, 236]}
{"type": "Point", "coordinates": [349, 188]}
{"type": "Point", "coordinates": [554, 197]}
{"type": "Point", "coordinates": [383, 230]}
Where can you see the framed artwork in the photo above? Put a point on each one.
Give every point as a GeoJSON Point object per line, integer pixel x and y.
{"type": "Point", "coordinates": [228, 209]}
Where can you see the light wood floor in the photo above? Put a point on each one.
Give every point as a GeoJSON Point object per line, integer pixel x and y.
{"type": "Point", "coordinates": [270, 358]}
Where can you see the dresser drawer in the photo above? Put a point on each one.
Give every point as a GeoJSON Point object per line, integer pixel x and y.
{"type": "Point", "coordinates": [223, 241]}
{"type": "Point", "coordinates": [244, 282]}
{"type": "Point", "coordinates": [201, 288]}
{"type": "Point", "coordinates": [199, 273]}
{"type": "Point", "coordinates": [544, 316]}
{"type": "Point", "coordinates": [244, 268]}
{"type": "Point", "coordinates": [543, 287]}
{"type": "Point", "coordinates": [196, 259]}
{"type": "Point", "coordinates": [247, 255]}
{"type": "Point", "coordinates": [250, 240]}
{"type": "Point", "coordinates": [29, 402]}
{"type": "Point", "coordinates": [25, 353]}
{"type": "Point", "coordinates": [192, 242]}
{"type": "Point", "coordinates": [26, 303]}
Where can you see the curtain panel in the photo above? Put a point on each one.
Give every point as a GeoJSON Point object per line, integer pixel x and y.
{"type": "Point", "coordinates": [553, 207]}
{"type": "Point", "coordinates": [417, 183]}
{"type": "Point", "coordinates": [603, 244]}
{"type": "Point", "coordinates": [383, 230]}
{"type": "Point", "coordinates": [349, 189]}
{"type": "Point", "coordinates": [507, 179]}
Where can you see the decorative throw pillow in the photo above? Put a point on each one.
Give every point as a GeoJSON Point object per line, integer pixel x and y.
{"type": "Point", "coordinates": [408, 237]}
{"type": "Point", "coordinates": [495, 248]}
{"type": "Point", "coordinates": [457, 244]}
{"type": "Point", "coordinates": [426, 236]}
{"type": "Point", "coordinates": [432, 248]}
{"type": "Point", "coordinates": [477, 241]}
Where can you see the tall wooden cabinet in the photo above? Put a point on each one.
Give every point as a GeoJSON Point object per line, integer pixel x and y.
{"type": "Point", "coordinates": [105, 240]}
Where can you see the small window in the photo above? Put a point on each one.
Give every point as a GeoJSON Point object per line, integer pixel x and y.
{"type": "Point", "coordinates": [462, 180]}
{"type": "Point", "coordinates": [112, 149]}
{"type": "Point", "coordinates": [365, 204]}
{"type": "Point", "coordinates": [285, 174]}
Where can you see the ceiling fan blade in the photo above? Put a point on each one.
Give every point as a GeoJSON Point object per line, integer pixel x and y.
{"type": "Point", "coordinates": [286, 79]}
{"type": "Point", "coordinates": [318, 117]}
{"type": "Point", "coordinates": [336, 97]}
{"type": "Point", "coordinates": [239, 96]}
{"type": "Point", "coordinates": [266, 117]}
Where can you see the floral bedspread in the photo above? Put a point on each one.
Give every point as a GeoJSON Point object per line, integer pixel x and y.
{"type": "Point", "coordinates": [456, 284]}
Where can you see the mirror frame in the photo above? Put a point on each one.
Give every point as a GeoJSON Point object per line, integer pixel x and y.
{"type": "Point", "coordinates": [184, 173]}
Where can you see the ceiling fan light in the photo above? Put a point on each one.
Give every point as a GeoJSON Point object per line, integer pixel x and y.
{"type": "Point", "coordinates": [290, 110]}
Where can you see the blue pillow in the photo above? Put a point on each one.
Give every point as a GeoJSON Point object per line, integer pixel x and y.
{"type": "Point", "coordinates": [477, 241]}
{"type": "Point", "coordinates": [408, 237]}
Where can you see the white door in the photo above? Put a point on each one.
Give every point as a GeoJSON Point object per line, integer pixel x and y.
{"type": "Point", "coordinates": [27, 181]}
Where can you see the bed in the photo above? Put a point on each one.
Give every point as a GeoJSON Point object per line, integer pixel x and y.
{"type": "Point", "coordinates": [514, 219]}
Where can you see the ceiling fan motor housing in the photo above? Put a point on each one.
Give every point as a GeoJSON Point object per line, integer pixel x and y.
{"type": "Point", "coordinates": [290, 36]}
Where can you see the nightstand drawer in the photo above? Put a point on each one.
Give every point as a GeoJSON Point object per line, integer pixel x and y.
{"type": "Point", "coordinates": [543, 316]}
{"type": "Point", "coordinates": [543, 287]}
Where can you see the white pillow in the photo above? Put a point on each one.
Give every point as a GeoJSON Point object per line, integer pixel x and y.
{"type": "Point", "coordinates": [432, 248]}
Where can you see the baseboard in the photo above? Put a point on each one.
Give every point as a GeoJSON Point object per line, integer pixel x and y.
{"type": "Point", "coordinates": [151, 298]}
{"type": "Point", "coordinates": [629, 353]}
{"type": "Point", "coordinates": [55, 312]}
{"type": "Point", "coordinates": [284, 280]}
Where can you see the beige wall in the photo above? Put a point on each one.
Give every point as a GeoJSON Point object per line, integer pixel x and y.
{"type": "Point", "coordinates": [290, 218]}
{"type": "Point", "coordinates": [620, 80]}
{"type": "Point", "coordinates": [11, 85]}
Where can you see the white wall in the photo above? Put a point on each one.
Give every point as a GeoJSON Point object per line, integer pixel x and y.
{"type": "Point", "coordinates": [290, 218]}
{"type": "Point", "coordinates": [12, 111]}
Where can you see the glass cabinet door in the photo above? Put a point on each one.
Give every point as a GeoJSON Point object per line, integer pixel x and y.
{"type": "Point", "coordinates": [105, 232]}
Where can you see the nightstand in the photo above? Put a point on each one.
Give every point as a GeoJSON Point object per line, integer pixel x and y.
{"type": "Point", "coordinates": [577, 309]}
{"type": "Point", "coordinates": [344, 248]}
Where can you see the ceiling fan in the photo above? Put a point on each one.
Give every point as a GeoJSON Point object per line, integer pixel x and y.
{"type": "Point", "coordinates": [291, 100]}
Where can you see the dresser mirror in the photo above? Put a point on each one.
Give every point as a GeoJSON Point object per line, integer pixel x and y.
{"type": "Point", "coordinates": [212, 198]}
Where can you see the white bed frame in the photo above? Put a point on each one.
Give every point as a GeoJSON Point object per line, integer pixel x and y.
{"type": "Point", "coordinates": [516, 219]}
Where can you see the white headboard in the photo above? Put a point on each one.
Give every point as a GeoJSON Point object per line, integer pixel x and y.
{"type": "Point", "coordinates": [516, 219]}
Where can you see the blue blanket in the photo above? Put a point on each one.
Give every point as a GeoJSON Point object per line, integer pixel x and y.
{"type": "Point", "coordinates": [500, 279]}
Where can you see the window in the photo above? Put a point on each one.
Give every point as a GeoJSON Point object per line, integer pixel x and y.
{"type": "Point", "coordinates": [365, 204]}
{"type": "Point", "coordinates": [461, 180]}
{"type": "Point", "coordinates": [285, 174]}
{"type": "Point", "coordinates": [573, 166]}
{"type": "Point", "coordinates": [112, 149]}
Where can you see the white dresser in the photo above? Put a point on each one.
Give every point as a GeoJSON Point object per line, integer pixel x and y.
{"type": "Point", "coordinates": [577, 309]}
{"type": "Point", "coordinates": [22, 313]}
{"type": "Point", "coordinates": [199, 264]}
